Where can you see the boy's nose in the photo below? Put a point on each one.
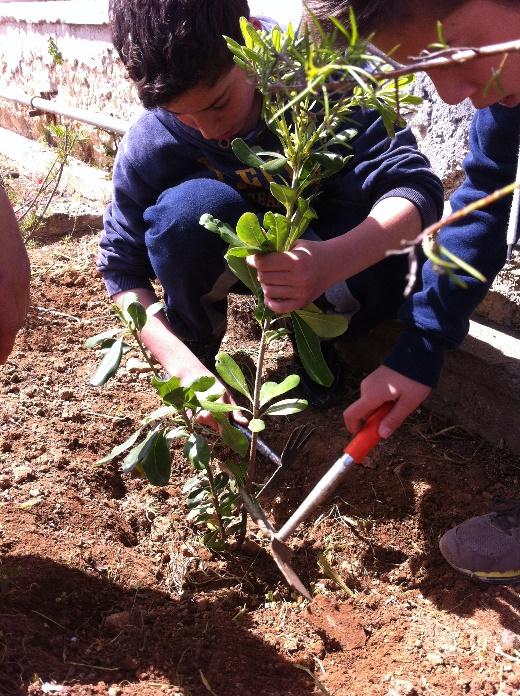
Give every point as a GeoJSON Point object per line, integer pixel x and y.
{"type": "Point", "coordinates": [451, 87]}
{"type": "Point", "coordinates": [207, 127]}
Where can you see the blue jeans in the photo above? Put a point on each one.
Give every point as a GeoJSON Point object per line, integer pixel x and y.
{"type": "Point", "coordinates": [188, 260]}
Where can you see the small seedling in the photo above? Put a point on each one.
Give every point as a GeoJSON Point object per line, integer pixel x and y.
{"type": "Point", "coordinates": [212, 495]}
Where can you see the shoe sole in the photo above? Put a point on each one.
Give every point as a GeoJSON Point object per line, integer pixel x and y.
{"type": "Point", "coordinates": [491, 578]}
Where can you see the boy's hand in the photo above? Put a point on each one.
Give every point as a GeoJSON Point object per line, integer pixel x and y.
{"type": "Point", "coordinates": [293, 279]}
{"type": "Point", "coordinates": [205, 417]}
{"type": "Point", "coordinates": [385, 384]}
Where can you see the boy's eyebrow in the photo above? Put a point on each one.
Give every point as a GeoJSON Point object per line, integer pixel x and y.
{"type": "Point", "coordinates": [206, 108]}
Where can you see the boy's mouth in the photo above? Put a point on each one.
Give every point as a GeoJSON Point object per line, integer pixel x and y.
{"type": "Point", "coordinates": [226, 136]}
{"type": "Point", "coordinates": [510, 101]}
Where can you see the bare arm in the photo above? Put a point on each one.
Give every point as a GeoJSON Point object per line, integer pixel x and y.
{"type": "Point", "coordinates": [14, 278]}
{"type": "Point", "coordinates": [176, 358]}
{"type": "Point", "coordinates": [293, 279]}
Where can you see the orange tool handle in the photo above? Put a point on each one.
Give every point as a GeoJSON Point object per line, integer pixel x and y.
{"type": "Point", "coordinates": [368, 437]}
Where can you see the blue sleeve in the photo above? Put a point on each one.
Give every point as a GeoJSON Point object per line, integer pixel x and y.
{"type": "Point", "coordinates": [123, 257]}
{"type": "Point", "coordinates": [149, 160]}
{"type": "Point", "coordinates": [437, 316]}
{"type": "Point", "coordinates": [384, 167]}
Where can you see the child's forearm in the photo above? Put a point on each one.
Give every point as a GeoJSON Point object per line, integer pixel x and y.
{"type": "Point", "coordinates": [391, 222]}
{"type": "Point", "coordinates": [176, 358]}
{"type": "Point", "coordinates": [292, 279]}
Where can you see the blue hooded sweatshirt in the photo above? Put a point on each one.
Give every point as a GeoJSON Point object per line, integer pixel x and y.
{"type": "Point", "coordinates": [437, 316]}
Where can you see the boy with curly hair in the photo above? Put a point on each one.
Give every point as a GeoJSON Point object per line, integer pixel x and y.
{"type": "Point", "coordinates": [175, 163]}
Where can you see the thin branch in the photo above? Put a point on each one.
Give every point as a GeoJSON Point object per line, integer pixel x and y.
{"type": "Point", "coordinates": [437, 59]}
{"type": "Point", "coordinates": [431, 231]}
{"type": "Point", "coordinates": [449, 56]}
{"type": "Point", "coordinates": [458, 214]}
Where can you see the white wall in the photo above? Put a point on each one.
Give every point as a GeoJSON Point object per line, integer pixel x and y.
{"type": "Point", "coordinates": [283, 11]}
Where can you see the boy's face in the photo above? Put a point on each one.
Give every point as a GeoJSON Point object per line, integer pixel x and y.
{"type": "Point", "coordinates": [474, 23]}
{"type": "Point", "coordinates": [226, 109]}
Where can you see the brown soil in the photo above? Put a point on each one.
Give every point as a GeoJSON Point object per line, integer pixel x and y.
{"type": "Point", "coordinates": [105, 588]}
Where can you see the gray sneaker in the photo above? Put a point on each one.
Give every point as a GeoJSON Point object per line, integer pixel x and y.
{"type": "Point", "coordinates": [487, 547]}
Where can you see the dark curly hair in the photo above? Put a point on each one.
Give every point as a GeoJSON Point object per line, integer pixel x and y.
{"type": "Point", "coordinates": [169, 46]}
{"type": "Point", "coordinates": [372, 15]}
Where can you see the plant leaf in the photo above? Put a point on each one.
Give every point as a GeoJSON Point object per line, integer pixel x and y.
{"type": "Point", "coordinates": [284, 194]}
{"type": "Point", "coordinates": [275, 334]}
{"type": "Point", "coordinates": [216, 406]}
{"type": "Point", "coordinates": [138, 314]}
{"type": "Point", "coordinates": [156, 461]}
{"type": "Point", "coordinates": [256, 425]}
{"type": "Point", "coordinates": [225, 232]}
{"type": "Point", "coordinates": [133, 311]}
{"type": "Point", "coordinates": [154, 309]}
{"type": "Point", "coordinates": [231, 373]}
{"type": "Point", "coordinates": [275, 165]}
{"type": "Point", "coordinates": [287, 407]}
{"type": "Point", "coordinates": [244, 272]}
{"type": "Point", "coordinates": [119, 449]}
{"type": "Point", "coordinates": [244, 153]}
{"type": "Point", "coordinates": [250, 232]}
{"type": "Point", "coordinates": [201, 384]}
{"type": "Point", "coordinates": [221, 480]}
{"type": "Point", "coordinates": [237, 471]}
{"type": "Point", "coordinates": [241, 252]}
{"type": "Point", "coordinates": [174, 433]}
{"type": "Point", "coordinates": [270, 390]}
{"type": "Point", "coordinates": [232, 437]}
{"type": "Point", "coordinates": [94, 341]}
{"type": "Point", "coordinates": [191, 484]}
{"type": "Point", "coordinates": [277, 227]}
{"type": "Point", "coordinates": [309, 350]}
{"type": "Point", "coordinates": [330, 162]}
{"type": "Point", "coordinates": [462, 264]}
{"type": "Point", "coordinates": [197, 451]}
{"type": "Point", "coordinates": [343, 138]}
{"type": "Point", "coordinates": [170, 391]}
{"type": "Point", "coordinates": [324, 325]}
{"type": "Point", "coordinates": [158, 414]}
{"type": "Point", "coordinates": [133, 458]}
{"type": "Point", "coordinates": [301, 219]}
{"type": "Point", "coordinates": [109, 365]}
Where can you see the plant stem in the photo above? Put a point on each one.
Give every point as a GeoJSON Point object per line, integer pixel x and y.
{"type": "Point", "coordinates": [251, 465]}
{"type": "Point", "coordinates": [63, 157]}
{"type": "Point", "coordinates": [135, 334]}
{"type": "Point", "coordinates": [214, 496]}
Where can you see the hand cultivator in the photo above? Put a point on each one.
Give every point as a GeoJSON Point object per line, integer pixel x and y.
{"type": "Point", "coordinates": [356, 450]}
{"type": "Point", "coordinates": [293, 447]}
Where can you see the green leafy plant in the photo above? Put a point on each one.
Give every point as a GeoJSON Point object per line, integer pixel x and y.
{"type": "Point", "coordinates": [296, 74]}
{"type": "Point", "coordinates": [31, 212]}
{"type": "Point", "coordinates": [212, 495]}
